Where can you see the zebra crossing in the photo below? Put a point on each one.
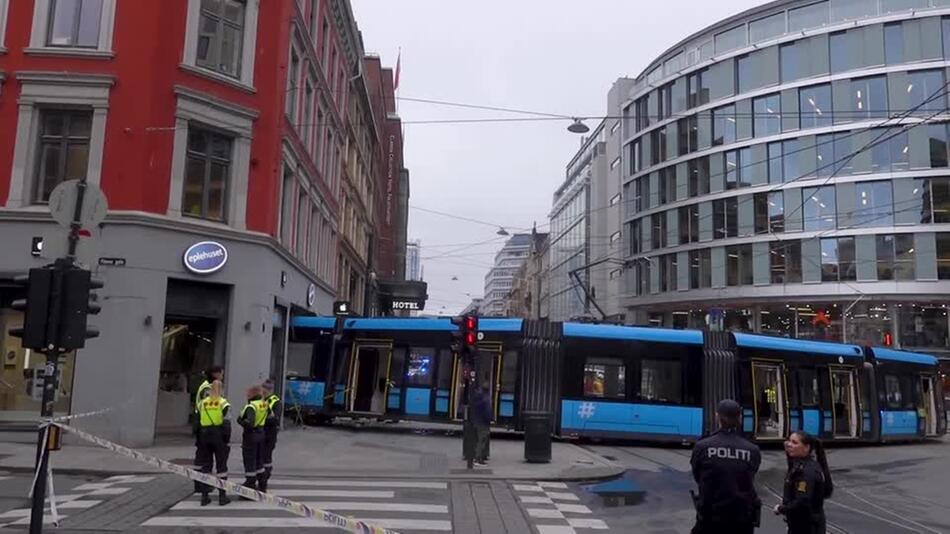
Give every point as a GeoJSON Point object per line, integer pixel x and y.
{"type": "Point", "coordinates": [82, 497]}
{"type": "Point", "coordinates": [555, 509]}
{"type": "Point", "coordinates": [408, 506]}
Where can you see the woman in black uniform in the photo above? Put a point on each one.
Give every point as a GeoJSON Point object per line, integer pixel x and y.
{"type": "Point", "coordinates": [807, 485]}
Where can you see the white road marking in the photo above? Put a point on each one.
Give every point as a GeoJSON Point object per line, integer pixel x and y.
{"type": "Point", "coordinates": [130, 479]}
{"type": "Point", "coordinates": [359, 483]}
{"type": "Point", "coordinates": [595, 524]}
{"type": "Point", "coordinates": [535, 499]}
{"type": "Point", "coordinates": [70, 505]}
{"type": "Point", "coordinates": [563, 496]}
{"type": "Point", "coordinates": [110, 491]}
{"type": "Point", "coordinates": [93, 486]}
{"type": "Point", "coordinates": [524, 487]}
{"type": "Point", "coordinates": [555, 529]}
{"type": "Point", "coordinates": [291, 522]}
{"type": "Point", "coordinates": [47, 520]}
{"type": "Point", "coordinates": [333, 493]}
{"type": "Point", "coordinates": [573, 508]}
{"type": "Point", "coordinates": [350, 506]}
{"type": "Point", "coordinates": [545, 513]}
{"type": "Point", "coordinates": [553, 485]}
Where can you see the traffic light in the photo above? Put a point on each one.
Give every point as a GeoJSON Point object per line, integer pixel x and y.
{"type": "Point", "coordinates": [35, 308]}
{"type": "Point", "coordinates": [465, 339]}
{"type": "Point", "coordinates": [78, 303]}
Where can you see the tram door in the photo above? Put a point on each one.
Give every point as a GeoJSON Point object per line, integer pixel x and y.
{"type": "Point", "coordinates": [929, 404]}
{"type": "Point", "coordinates": [369, 376]}
{"type": "Point", "coordinates": [487, 368]}
{"type": "Point", "coordinates": [844, 396]}
{"type": "Point", "coordinates": [769, 384]}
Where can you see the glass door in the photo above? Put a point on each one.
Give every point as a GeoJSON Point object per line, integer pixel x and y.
{"type": "Point", "coordinates": [369, 377]}
{"type": "Point", "coordinates": [929, 402]}
{"type": "Point", "coordinates": [769, 386]}
{"type": "Point", "coordinates": [844, 396]}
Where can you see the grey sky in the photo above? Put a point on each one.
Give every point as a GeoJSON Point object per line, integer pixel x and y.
{"type": "Point", "coordinates": [552, 56]}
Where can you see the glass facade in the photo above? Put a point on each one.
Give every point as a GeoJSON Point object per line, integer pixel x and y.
{"type": "Point", "coordinates": [786, 187]}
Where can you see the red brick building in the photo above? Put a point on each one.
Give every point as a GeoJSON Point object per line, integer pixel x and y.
{"type": "Point", "coordinates": [214, 120]}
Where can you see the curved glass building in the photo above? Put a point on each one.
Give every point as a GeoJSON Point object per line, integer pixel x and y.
{"type": "Point", "coordinates": [786, 172]}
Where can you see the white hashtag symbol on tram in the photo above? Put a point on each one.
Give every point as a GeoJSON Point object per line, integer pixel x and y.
{"type": "Point", "coordinates": [586, 410]}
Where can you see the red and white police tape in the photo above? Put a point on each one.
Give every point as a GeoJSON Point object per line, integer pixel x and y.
{"type": "Point", "coordinates": [347, 523]}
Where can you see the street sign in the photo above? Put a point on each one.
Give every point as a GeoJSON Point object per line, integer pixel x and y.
{"type": "Point", "coordinates": [62, 204]}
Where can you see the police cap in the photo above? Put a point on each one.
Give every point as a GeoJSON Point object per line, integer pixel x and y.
{"type": "Point", "coordinates": [729, 408]}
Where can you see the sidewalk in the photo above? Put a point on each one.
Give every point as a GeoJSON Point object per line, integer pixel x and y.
{"type": "Point", "coordinates": [377, 450]}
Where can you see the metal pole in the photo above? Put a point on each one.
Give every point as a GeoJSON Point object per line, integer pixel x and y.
{"type": "Point", "coordinates": [337, 335]}
{"type": "Point", "coordinates": [49, 395]}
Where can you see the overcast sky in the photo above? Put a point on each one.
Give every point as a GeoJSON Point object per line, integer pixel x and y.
{"type": "Point", "coordinates": [551, 56]}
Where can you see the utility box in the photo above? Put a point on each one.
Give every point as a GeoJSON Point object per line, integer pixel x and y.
{"type": "Point", "coordinates": [537, 436]}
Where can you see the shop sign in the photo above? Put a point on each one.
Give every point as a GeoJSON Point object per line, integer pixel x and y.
{"type": "Point", "coordinates": [406, 305]}
{"type": "Point", "coordinates": [311, 295]}
{"type": "Point", "coordinates": [205, 257]}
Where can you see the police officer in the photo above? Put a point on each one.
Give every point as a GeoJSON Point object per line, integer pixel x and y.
{"type": "Point", "coordinates": [271, 427]}
{"type": "Point", "coordinates": [724, 466]}
{"type": "Point", "coordinates": [807, 485]}
{"type": "Point", "coordinates": [252, 419]}
{"type": "Point", "coordinates": [214, 433]}
{"type": "Point", "coordinates": [213, 373]}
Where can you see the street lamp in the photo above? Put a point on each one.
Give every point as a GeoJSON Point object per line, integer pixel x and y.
{"type": "Point", "coordinates": [501, 230]}
{"type": "Point", "coordinates": [578, 127]}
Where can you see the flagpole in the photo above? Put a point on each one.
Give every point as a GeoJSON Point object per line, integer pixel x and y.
{"type": "Point", "coordinates": [396, 80]}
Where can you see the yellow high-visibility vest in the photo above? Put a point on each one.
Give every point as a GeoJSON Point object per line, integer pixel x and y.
{"type": "Point", "coordinates": [211, 410]}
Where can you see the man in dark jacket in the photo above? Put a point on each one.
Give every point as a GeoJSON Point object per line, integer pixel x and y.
{"type": "Point", "coordinates": [724, 466]}
{"type": "Point", "coordinates": [481, 418]}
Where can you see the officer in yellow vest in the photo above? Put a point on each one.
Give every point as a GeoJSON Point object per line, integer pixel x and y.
{"type": "Point", "coordinates": [214, 433]}
{"type": "Point", "coordinates": [252, 419]}
{"type": "Point", "coordinates": [212, 374]}
{"type": "Point", "coordinates": [271, 427]}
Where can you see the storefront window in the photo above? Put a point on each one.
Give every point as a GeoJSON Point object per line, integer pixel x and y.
{"type": "Point", "coordinates": [22, 376]}
{"type": "Point", "coordinates": [605, 378]}
{"type": "Point", "coordinates": [819, 322]}
{"type": "Point", "coordinates": [778, 321]}
{"type": "Point", "coordinates": [870, 324]}
{"type": "Point", "coordinates": [924, 326]}
{"type": "Point", "coordinates": [739, 320]}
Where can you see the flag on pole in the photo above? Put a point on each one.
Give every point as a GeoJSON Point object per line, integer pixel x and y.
{"type": "Point", "coordinates": [396, 76]}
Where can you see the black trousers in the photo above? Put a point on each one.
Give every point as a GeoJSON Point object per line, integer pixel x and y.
{"type": "Point", "coordinates": [723, 527]}
{"type": "Point", "coordinates": [252, 450]}
{"type": "Point", "coordinates": [212, 452]}
{"type": "Point", "coordinates": [270, 443]}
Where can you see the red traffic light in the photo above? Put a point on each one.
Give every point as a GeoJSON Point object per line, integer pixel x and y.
{"type": "Point", "coordinates": [471, 339]}
{"type": "Point", "coordinates": [471, 323]}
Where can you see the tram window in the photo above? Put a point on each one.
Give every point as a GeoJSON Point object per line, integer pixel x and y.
{"type": "Point", "coordinates": [908, 401]}
{"type": "Point", "coordinates": [509, 371]}
{"type": "Point", "coordinates": [605, 378]}
{"type": "Point", "coordinates": [892, 392]}
{"type": "Point", "coordinates": [396, 372]}
{"type": "Point", "coordinates": [661, 380]}
{"type": "Point", "coordinates": [445, 369]}
{"type": "Point", "coordinates": [808, 380]}
{"type": "Point", "coordinates": [419, 372]}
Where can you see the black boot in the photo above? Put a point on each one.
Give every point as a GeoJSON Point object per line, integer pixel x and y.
{"type": "Point", "coordinates": [262, 482]}
{"type": "Point", "coordinates": [223, 499]}
{"type": "Point", "coordinates": [251, 483]}
{"type": "Point", "coordinates": [205, 498]}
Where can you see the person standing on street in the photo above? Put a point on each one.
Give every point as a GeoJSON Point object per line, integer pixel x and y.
{"type": "Point", "coordinates": [724, 466]}
{"type": "Point", "coordinates": [807, 485]}
{"type": "Point", "coordinates": [481, 418]}
{"type": "Point", "coordinates": [214, 434]}
{"type": "Point", "coordinates": [213, 373]}
{"type": "Point", "coordinates": [252, 419]}
{"type": "Point", "coordinates": [271, 428]}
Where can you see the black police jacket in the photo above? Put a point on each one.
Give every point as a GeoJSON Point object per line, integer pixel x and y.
{"type": "Point", "coordinates": [724, 466]}
{"type": "Point", "coordinates": [804, 497]}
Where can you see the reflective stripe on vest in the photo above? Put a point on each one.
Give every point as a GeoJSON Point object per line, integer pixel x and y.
{"type": "Point", "coordinates": [212, 411]}
{"type": "Point", "coordinates": [205, 386]}
{"type": "Point", "coordinates": [272, 401]}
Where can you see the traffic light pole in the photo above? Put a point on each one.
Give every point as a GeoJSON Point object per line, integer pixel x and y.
{"type": "Point", "coordinates": [52, 362]}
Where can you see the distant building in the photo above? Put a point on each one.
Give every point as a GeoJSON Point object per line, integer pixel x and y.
{"type": "Point", "coordinates": [413, 261]}
{"type": "Point", "coordinates": [473, 307]}
{"type": "Point", "coordinates": [528, 297]}
{"type": "Point", "coordinates": [498, 281]}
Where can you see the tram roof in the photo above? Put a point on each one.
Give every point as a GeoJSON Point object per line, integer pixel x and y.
{"type": "Point", "coordinates": [637, 333]}
{"type": "Point", "coordinates": [406, 323]}
{"type": "Point", "coordinates": [798, 345]}
{"type": "Point", "coordinates": [883, 353]}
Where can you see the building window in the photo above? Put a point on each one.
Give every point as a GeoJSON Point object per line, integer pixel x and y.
{"type": "Point", "coordinates": [739, 265]}
{"type": "Point", "coordinates": [868, 99]}
{"type": "Point", "coordinates": [760, 208]}
{"type": "Point", "coordinates": [307, 127]}
{"type": "Point", "coordinates": [731, 169]}
{"type": "Point", "coordinates": [658, 230]}
{"type": "Point", "coordinates": [614, 200]}
{"type": "Point", "coordinates": [775, 163]}
{"type": "Point", "coordinates": [819, 208]}
{"type": "Point", "coordinates": [725, 218]}
{"type": "Point", "coordinates": [925, 88]}
{"type": "Point", "coordinates": [667, 275]}
{"type": "Point", "coordinates": [791, 169]}
{"type": "Point", "coordinates": [221, 36]}
{"type": "Point", "coordinates": [808, 17]}
{"type": "Point", "coordinates": [943, 255]}
{"type": "Point", "coordinates": [815, 106]}
{"type": "Point", "coordinates": [636, 229]}
{"type": "Point", "coordinates": [698, 170]}
{"type": "Point", "coordinates": [838, 259]}
{"type": "Point", "coordinates": [785, 262]}
{"type": "Point", "coordinates": [207, 167]}
{"type": "Point", "coordinates": [661, 381]}
{"type": "Point", "coordinates": [293, 81]}
{"type": "Point", "coordinates": [314, 13]}
{"type": "Point", "coordinates": [724, 125]}
{"type": "Point", "coordinates": [776, 212]}
{"type": "Point", "coordinates": [895, 257]}
{"type": "Point", "coordinates": [605, 378]}
{"type": "Point", "coordinates": [768, 116]}
{"type": "Point", "coordinates": [74, 23]}
{"type": "Point", "coordinates": [700, 269]}
{"type": "Point", "coordinates": [875, 204]}
{"type": "Point", "coordinates": [698, 88]}
{"type": "Point", "coordinates": [689, 224]}
{"type": "Point", "coordinates": [63, 149]}
{"type": "Point", "coordinates": [286, 205]}
{"type": "Point", "coordinates": [615, 163]}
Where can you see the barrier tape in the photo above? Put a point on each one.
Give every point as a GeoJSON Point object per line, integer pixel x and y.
{"type": "Point", "coordinates": [347, 523]}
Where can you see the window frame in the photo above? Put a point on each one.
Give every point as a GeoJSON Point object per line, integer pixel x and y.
{"type": "Point", "coordinates": [605, 362]}
{"type": "Point", "coordinates": [42, 23]}
{"type": "Point", "coordinates": [676, 365]}
{"type": "Point", "coordinates": [64, 142]}
{"type": "Point", "coordinates": [189, 63]}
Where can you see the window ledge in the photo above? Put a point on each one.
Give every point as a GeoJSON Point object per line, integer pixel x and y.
{"type": "Point", "coordinates": [3, 50]}
{"type": "Point", "coordinates": [211, 75]}
{"type": "Point", "coordinates": [69, 52]}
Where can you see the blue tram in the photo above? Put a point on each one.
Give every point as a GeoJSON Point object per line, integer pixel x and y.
{"type": "Point", "coordinates": [625, 382]}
